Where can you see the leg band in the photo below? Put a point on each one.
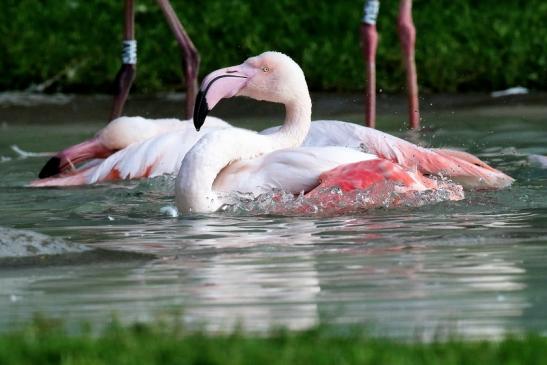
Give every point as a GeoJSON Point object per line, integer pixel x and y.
{"type": "Point", "coordinates": [129, 52]}
{"type": "Point", "coordinates": [371, 9]}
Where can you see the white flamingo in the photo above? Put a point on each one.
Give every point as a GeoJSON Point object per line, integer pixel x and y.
{"type": "Point", "coordinates": [238, 160]}
{"type": "Point", "coordinates": [127, 148]}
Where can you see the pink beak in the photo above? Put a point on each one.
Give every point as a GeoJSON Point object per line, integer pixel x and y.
{"type": "Point", "coordinates": [71, 156]}
{"type": "Point", "coordinates": [220, 84]}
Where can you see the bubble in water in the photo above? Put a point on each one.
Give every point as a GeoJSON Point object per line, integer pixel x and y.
{"type": "Point", "coordinates": [170, 211]}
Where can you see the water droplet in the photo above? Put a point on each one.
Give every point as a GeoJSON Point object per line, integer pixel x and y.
{"type": "Point", "coordinates": [500, 298]}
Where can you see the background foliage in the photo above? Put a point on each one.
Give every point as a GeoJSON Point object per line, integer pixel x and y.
{"type": "Point", "coordinates": [463, 45]}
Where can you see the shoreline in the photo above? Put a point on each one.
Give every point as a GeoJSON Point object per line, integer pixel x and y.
{"type": "Point", "coordinates": [22, 107]}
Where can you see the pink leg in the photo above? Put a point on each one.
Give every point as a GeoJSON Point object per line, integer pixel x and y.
{"type": "Point", "coordinates": [369, 37]}
{"type": "Point", "coordinates": [126, 75]}
{"type": "Point", "coordinates": [407, 35]}
{"type": "Point", "coordinates": [190, 55]}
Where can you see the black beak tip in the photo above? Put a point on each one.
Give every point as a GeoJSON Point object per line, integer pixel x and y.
{"type": "Point", "coordinates": [201, 109]}
{"type": "Point", "coordinates": [51, 168]}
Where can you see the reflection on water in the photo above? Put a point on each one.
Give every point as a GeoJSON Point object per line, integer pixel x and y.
{"type": "Point", "coordinates": [474, 267]}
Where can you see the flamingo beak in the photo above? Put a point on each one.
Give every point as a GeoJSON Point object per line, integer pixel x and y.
{"type": "Point", "coordinates": [220, 84]}
{"type": "Point", "coordinates": [71, 156]}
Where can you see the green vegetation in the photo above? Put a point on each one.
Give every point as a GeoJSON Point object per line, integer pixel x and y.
{"type": "Point", "coordinates": [463, 45]}
{"type": "Point", "coordinates": [43, 343]}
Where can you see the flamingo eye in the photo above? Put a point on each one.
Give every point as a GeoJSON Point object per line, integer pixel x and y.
{"type": "Point", "coordinates": [265, 69]}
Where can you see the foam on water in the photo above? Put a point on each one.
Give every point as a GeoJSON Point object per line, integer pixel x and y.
{"type": "Point", "coordinates": [25, 154]}
{"type": "Point", "coordinates": [333, 201]}
{"type": "Point", "coordinates": [24, 243]}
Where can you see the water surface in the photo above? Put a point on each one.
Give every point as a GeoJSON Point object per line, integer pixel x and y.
{"type": "Point", "coordinates": [475, 267]}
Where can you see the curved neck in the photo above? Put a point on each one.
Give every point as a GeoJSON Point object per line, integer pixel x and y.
{"type": "Point", "coordinates": [297, 123]}
{"type": "Point", "coordinates": [204, 162]}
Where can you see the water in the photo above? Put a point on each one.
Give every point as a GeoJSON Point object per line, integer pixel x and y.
{"type": "Point", "coordinates": [475, 267]}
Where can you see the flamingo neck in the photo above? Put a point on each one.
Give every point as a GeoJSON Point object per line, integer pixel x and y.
{"type": "Point", "coordinates": [205, 161]}
{"type": "Point", "coordinates": [297, 124]}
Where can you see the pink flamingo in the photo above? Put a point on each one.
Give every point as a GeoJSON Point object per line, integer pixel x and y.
{"type": "Point", "coordinates": [238, 160]}
{"type": "Point", "coordinates": [407, 35]}
{"type": "Point", "coordinates": [232, 159]}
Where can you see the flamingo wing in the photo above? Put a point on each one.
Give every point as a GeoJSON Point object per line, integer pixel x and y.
{"type": "Point", "coordinates": [292, 170]}
{"type": "Point", "coordinates": [320, 171]}
{"type": "Point", "coordinates": [461, 167]}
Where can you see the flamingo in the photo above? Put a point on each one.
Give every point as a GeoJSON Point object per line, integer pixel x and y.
{"type": "Point", "coordinates": [119, 135]}
{"type": "Point", "coordinates": [239, 160]}
{"type": "Point", "coordinates": [136, 148]}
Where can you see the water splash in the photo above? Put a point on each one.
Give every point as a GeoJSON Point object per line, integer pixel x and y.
{"type": "Point", "coordinates": [333, 201]}
{"type": "Point", "coordinates": [25, 154]}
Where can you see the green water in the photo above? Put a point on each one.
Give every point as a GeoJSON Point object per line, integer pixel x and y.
{"type": "Point", "coordinates": [476, 267]}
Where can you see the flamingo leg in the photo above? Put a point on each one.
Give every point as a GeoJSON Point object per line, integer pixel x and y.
{"type": "Point", "coordinates": [369, 40]}
{"type": "Point", "coordinates": [190, 55]}
{"type": "Point", "coordinates": [126, 74]}
{"type": "Point", "coordinates": [407, 35]}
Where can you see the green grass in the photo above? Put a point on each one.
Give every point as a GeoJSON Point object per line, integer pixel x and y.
{"type": "Point", "coordinates": [44, 343]}
{"type": "Point", "coordinates": [463, 45]}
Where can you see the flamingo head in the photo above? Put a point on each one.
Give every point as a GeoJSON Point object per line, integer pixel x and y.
{"type": "Point", "coordinates": [69, 157]}
{"type": "Point", "coordinates": [270, 76]}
